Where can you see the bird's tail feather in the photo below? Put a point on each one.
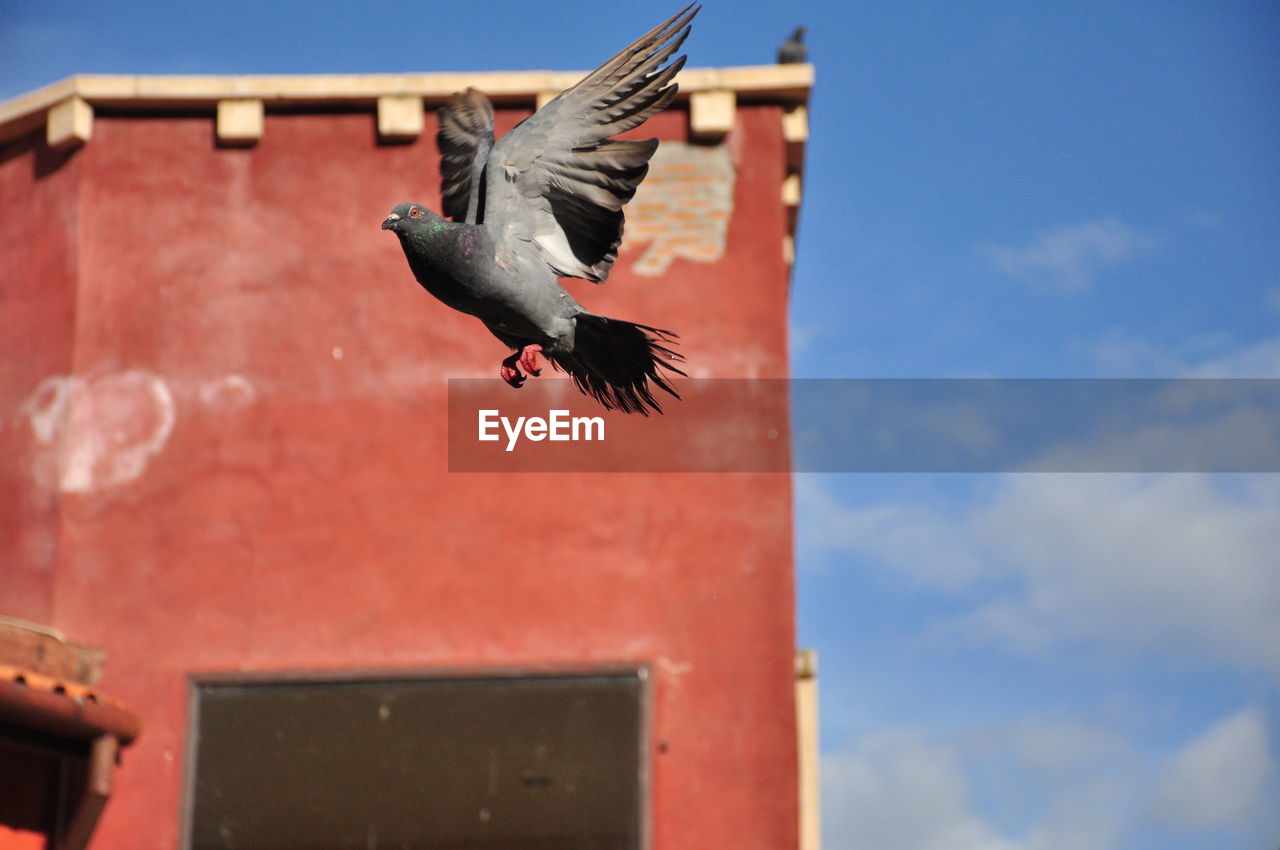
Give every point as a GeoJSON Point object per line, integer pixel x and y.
{"type": "Point", "coordinates": [615, 361]}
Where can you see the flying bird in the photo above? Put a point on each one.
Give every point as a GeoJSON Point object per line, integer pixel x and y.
{"type": "Point", "coordinates": [545, 201]}
{"type": "Point", "coordinates": [793, 50]}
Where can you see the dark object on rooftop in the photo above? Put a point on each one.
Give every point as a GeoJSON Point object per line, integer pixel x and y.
{"type": "Point", "coordinates": [793, 50]}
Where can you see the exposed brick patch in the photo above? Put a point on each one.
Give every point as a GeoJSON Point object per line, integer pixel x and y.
{"type": "Point", "coordinates": [682, 208]}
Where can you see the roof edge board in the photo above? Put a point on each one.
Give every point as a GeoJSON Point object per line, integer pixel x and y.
{"type": "Point", "coordinates": [788, 83]}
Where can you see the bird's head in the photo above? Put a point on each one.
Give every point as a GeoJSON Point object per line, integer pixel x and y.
{"type": "Point", "coordinates": [407, 218]}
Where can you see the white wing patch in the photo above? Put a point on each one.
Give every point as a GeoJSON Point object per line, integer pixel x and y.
{"type": "Point", "coordinates": [559, 255]}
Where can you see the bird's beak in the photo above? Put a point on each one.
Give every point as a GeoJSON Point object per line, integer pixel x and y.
{"type": "Point", "coordinates": [390, 221]}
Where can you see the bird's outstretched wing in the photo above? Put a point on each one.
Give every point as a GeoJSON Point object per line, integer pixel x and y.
{"type": "Point", "coordinates": [465, 140]}
{"type": "Point", "coordinates": [557, 178]}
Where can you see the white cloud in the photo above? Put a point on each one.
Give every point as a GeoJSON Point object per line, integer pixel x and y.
{"type": "Point", "coordinates": [1219, 776]}
{"type": "Point", "coordinates": [1067, 259]}
{"type": "Point", "coordinates": [1260, 360]}
{"type": "Point", "coordinates": [1177, 567]}
{"type": "Point", "coordinates": [1064, 746]}
{"type": "Point", "coordinates": [802, 337]}
{"type": "Point", "coordinates": [1091, 814]}
{"type": "Point", "coordinates": [1117, 354]}
{"type": "Point", "coordinates": [894, 791]}
{"type": "Point", "coordinates": [926, 545]}
{"type": "Point", "coordinates": [1046, 783]}
{"type": "Point", "coordinates": [1167, 565]}
{"type": "Point", "coordinates": [1062, 785]}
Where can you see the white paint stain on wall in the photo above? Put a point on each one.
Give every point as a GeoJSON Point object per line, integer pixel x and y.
{"type": "Point", "coordinates": [228, 392]}
{"type": "Point", "coordinates": [101, 432]}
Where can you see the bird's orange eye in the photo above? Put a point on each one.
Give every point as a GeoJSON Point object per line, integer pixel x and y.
{"type": "Point", "coordinates": [415, 212]}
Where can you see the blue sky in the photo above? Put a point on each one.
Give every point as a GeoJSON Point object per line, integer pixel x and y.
{"type": "Point", "coordinates": [1009, 189]}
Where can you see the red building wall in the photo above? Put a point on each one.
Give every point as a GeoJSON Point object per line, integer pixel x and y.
{"type": "Point", "coordinates": [224, 449]}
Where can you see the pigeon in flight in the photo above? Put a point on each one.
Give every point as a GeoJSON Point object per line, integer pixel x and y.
{"type": "Point", "coordinates": [545, 201]}
{"type": "Point", "coordinates": [793, 50]}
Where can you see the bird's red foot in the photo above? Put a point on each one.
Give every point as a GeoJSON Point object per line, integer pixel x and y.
{"type": "Point", "coordinates": [510, 373]}
{"type": "Point", "coordinates": [529, 359]}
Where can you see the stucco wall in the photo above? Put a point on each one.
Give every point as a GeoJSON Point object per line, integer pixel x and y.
{"type": "Point", "coordinates": [223, 449]}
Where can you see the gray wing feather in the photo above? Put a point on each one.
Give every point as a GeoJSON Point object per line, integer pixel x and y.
{"type": "Point", "coordinates": [465, 139]}
{"type": "Point", "coordinates": [559, 181]}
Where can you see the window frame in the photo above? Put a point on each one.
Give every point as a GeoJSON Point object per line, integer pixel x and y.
{"type": "Point", "coordinates": [197, 681]}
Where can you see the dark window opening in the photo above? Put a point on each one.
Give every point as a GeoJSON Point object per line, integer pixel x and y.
{"type": "Point", "coordinates": [525, 763]}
